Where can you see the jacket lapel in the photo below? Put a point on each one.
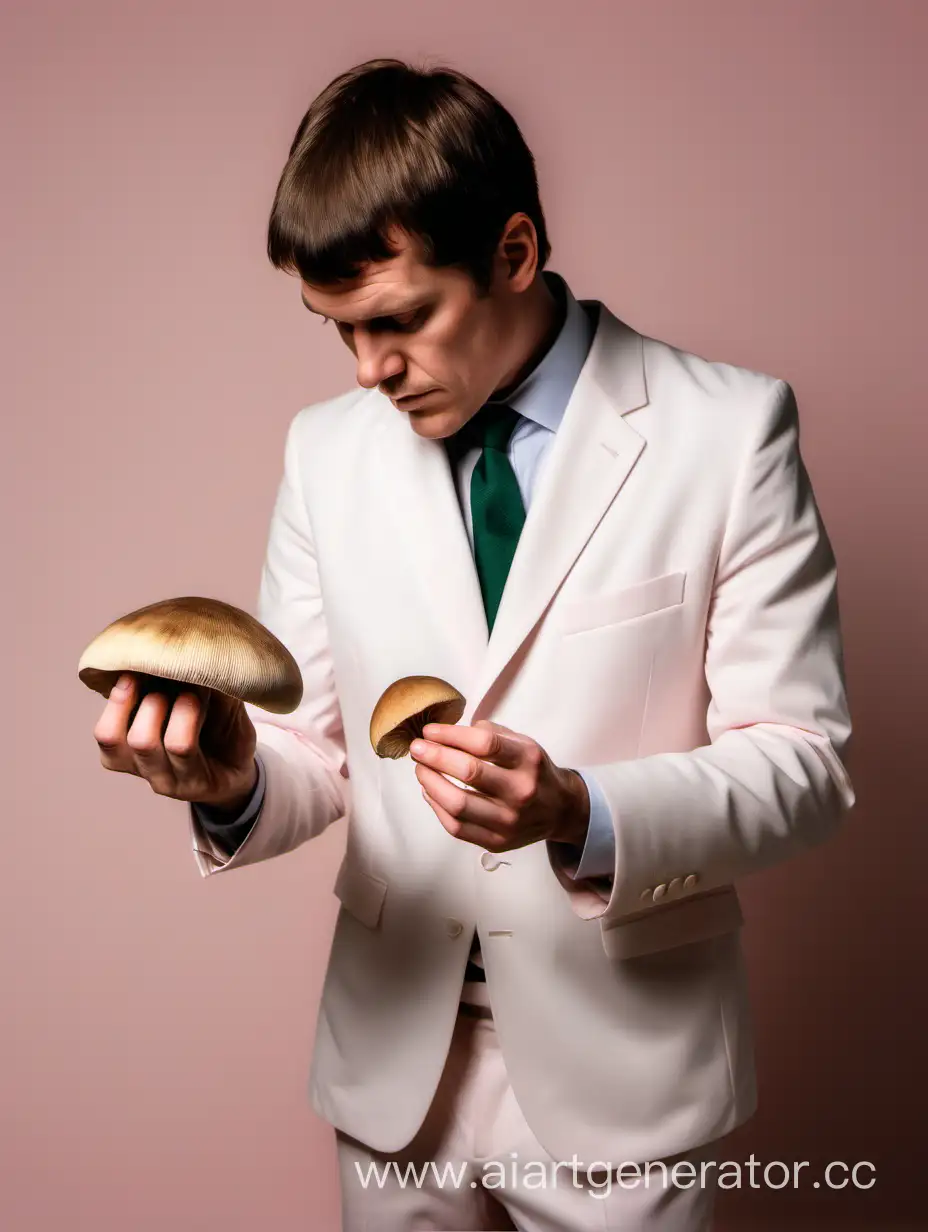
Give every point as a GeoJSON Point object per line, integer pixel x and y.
{"type": "Point", "coordinates": [590, 458]}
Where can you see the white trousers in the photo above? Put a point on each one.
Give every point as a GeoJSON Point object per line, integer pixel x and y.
{"type": "Point", "coordinates": [476, 1165]}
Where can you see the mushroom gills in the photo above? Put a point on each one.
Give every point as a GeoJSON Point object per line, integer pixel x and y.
{"type": "Point", "coordinates": [396, 743]}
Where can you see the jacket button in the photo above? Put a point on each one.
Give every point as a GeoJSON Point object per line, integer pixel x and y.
{"type": "Point", "coordinates": [659, 892]}
{"type": "Point", "coordinates": [454, 928]}
{"type": "Point", "coordinates": [675, 886]}
{"type": "Point", "coordinates": [690, 881]}
{"type": "Point", "coordinates": [646, 892]}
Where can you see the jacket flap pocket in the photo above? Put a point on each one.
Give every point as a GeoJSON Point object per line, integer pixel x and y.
{"type": "Point", "coordinates": [640, 599]}
{"type": "Point", "coordinates": [360, 893]}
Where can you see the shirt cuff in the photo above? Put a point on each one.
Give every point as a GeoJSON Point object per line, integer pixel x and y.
{"type": "Point", "coordinates": [238, 826]}
{"type": "Point", "coordinates": [598, 857]}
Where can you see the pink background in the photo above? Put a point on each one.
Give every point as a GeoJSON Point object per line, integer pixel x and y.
{"type": "Point", "coordinates": [745, 180]}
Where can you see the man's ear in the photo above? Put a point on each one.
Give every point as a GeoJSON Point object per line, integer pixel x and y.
{"type": "Point", "coordinates": [518, 250]}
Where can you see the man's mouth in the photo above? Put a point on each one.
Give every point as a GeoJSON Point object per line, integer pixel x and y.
{"type": "Point", "coordinates": [408, 399]}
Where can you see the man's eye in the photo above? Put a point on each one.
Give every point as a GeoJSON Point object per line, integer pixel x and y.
{"type": "Point", "coordinates": [404, 320]}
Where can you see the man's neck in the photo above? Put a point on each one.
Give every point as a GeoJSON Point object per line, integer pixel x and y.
{"type": "Point", "coordinates": [551, 313]}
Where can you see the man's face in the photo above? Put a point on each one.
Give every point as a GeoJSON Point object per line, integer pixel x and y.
{"type": "Point", "coordinates": [417, 330]}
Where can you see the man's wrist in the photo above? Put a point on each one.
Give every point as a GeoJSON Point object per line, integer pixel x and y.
{"type": "Point", "coordinates": [574, 821]}
{"type": "Point", "coordinates": [229, 809]}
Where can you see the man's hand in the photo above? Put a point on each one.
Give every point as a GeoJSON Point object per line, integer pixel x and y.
{"type": "Point", "coordinates": [187, 742]}
{"type": "Point", "coordinates": [519, 796]}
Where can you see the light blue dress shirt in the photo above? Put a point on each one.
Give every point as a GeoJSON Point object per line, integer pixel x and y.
{"type": "Point", "coordinates": [540, 400]}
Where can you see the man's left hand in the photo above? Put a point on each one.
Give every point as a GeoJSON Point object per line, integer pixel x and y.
{"type": "Point", "coordinates": [519, 795]}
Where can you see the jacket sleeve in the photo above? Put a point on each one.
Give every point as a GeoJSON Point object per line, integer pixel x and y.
{"type": "Point", "coordinates": [771, 781]}
{"type": "Point", "coordinates": [303, 754]}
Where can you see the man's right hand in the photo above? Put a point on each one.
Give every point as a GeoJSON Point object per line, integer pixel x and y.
{"type": "Point", "coordinates": [198, 747]}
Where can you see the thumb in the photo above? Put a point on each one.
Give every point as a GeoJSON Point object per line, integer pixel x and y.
{"type": "Point", "coordinates": [220, 717]}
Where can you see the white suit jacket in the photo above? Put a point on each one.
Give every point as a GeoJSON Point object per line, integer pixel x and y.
{"type": "Point", "coordinates": [670, 620]}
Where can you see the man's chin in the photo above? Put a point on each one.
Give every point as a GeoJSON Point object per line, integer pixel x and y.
{"type": "Point", "coordinates": [433, 423]}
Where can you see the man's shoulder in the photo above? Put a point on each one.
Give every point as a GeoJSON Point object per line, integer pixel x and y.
{"type": "Point", "coordinates": [670, 366]}
{"type": "Point", "coordinates": [339, 414]}
{"type": "Point", "coordinates": [699, 398]}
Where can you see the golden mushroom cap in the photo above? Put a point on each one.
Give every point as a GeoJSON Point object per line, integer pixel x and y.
{"type": "Point", "coordinates": [196, 641]}
{"type": "Point", "coordinates": [406, 706]}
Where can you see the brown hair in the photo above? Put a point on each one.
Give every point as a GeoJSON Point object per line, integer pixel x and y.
{"type": "Point", "coordinates": [386, 144]}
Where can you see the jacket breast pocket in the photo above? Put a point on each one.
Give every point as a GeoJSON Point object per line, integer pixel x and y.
{"type": "Point", "coordinates": [615, 607]}
{"type": "Point", "coordinates": [360, 893]}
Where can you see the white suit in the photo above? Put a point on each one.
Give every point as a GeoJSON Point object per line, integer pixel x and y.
{"type": "Point", "coordinates": [670, 620]}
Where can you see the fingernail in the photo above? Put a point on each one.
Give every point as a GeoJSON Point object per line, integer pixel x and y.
{"type": "Point", "coordinates": [122, 684]}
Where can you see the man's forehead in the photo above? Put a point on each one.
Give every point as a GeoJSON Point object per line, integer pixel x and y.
{"type": "Point", "coordinates": [381, 288]}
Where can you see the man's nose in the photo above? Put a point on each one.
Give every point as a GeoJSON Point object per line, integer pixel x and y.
{"type": "Point", "coordinates": [378, 361]}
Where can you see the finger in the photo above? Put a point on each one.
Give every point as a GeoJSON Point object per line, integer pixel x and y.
{"type": "Point", "coordinates": [489, 742]}
{"type": "Point", "coordinates": [145, 738]}
{"type": "Point", "coordinates": [182, 736]}
{"type": "Point", "coordinates": [467, 806]}
{"type": "Point", "coordinates": [112, 726]}
{"type": "Point", "coordinates": [467, 831]}
{"type": "Point", "coordinates": [484, 776]}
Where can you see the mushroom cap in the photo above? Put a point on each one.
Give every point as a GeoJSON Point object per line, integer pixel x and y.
{"type": "Point", "coordinates": [406, 706]}
{"type": "Point", "coordinates": [196, 641]}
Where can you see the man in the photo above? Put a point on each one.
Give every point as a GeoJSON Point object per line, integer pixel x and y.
{"type": "Point", "coordinates": [612, 549]}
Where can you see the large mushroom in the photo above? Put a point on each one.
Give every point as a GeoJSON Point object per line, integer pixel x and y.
{"type": "Point", "coordinates": [406, 706]}
{"type": "Point", "coordinates": [198, 642]}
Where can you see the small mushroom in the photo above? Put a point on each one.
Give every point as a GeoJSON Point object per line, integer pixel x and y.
{"type": "Point", "coordinates": [199, 642]}
{"type": "Point", "coordinates": [404, 709]}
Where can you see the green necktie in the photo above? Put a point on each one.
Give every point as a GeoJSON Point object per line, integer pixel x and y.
{"type": "Point", "coordinates": [497, 511]}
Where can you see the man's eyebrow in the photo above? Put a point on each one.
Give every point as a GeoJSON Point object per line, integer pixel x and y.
{"type": "Point", "coordinates": [381, 316]}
